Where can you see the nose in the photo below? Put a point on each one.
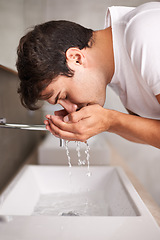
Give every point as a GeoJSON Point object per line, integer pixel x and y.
{"type": "Point", "coordinates": [67, 105]}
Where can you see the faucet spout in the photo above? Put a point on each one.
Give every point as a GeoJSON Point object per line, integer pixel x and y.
{"type": "Point", "coordinates": [62, 142]}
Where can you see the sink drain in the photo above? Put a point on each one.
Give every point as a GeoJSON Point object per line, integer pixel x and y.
{"type": "Point", "coordinates": [70, 213]}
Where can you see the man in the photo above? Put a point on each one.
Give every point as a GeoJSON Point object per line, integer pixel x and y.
{"type": "Point", "coordinates": [64, 63]}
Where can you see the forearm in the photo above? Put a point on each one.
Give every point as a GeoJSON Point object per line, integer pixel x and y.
{"type": "Point", "coordinates": [94, 119]}
{"type": "Point", "coordinates": [134, 128]}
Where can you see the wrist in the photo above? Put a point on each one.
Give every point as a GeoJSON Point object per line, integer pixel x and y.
{"type": "Point", "coordinates": [112, 120]}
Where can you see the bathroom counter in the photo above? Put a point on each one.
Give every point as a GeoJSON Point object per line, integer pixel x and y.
{"type": "Point", "coordinates": [152, 206]}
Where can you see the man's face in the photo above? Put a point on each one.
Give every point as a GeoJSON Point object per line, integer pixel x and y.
{"type": "Point", "coordinates": [73, 93]}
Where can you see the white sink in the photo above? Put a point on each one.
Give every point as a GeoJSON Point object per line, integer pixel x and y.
{"type": "Point", "coordinates": [50, 152]}
{"type": "Point", "coordinates": [103, 206]}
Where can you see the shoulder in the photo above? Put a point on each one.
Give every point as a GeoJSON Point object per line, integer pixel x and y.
{"type": "Point", "coordinates": [143, 24]}
{"type": "Point", "coordinates": [142, 41]}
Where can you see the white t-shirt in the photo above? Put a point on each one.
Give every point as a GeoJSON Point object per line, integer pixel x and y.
{"type": "Point", "coordinates": [136, 44]}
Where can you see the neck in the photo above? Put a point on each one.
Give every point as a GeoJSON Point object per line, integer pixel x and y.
{"type": "Point", "coordinates": [104, 45]}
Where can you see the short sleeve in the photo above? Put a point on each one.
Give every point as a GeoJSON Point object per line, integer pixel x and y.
{"type": "Point", "coordinates": [142, 40]}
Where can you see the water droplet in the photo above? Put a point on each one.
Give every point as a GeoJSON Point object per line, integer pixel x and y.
{"type": "Point", "coordinates": [80, 162]}
{"type": "Point", "coordinates": [88, 158]}
{"type": "Point", "coordinates": [68, 154]}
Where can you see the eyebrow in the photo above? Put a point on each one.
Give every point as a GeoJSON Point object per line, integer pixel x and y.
{"type": "Point", "coordinates": [46, 96]}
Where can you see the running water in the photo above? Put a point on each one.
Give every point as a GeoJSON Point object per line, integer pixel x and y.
{"type": "Point", "coordinates": [73, 204]}
{"type": "Point", "coordinates": [68, 155]}
{"type": "Point", "coordinates": [80, 161]}
{"type": "Point", "coordinates": [87, 158]}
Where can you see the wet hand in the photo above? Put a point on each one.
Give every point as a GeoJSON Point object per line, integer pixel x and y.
{"type": "Point", "coordinates": [80, 125]}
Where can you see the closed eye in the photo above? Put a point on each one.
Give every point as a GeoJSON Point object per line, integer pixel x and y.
{"type": "Point", "coordinates": [46, 96]}
{"type": "Point", "coordinates": [63, 97]}
{"type": "Point", "coordinates": [57, 97]}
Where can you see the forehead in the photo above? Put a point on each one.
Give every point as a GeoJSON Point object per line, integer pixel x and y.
{"type": "Point", "coordinates": [47, 92]}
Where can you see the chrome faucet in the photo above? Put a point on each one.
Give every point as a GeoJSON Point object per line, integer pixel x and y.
{"type": "Point", "coordinates": [62, 142]}
{"type": "Point", "coordinates": [3, 124]}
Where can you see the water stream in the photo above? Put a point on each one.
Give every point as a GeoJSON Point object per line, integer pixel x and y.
{"type": "Point", "coordinates": [80, 161]}
{"type": "Point", "coordinates": [72, 204]}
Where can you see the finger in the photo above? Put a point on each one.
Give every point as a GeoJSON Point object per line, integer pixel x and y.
{"type": "Point", "coordinates": [76, 116]}
{"type": "Point", "coordinates": [74, 127]}
{"type": "Point", "coordinates": [52, 132]}
{"type": "Point", "coordinates": [46, 122]}
{"type": "Point", "coordinates": [48, 116]}
{"type": "Point", "coordinates": [59, 123]}
{"type": "Point", "coordinates": [73, 131]}
{"type": "Point", "coordinates": [57, 132]}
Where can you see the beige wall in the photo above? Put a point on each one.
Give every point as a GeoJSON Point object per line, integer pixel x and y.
{"type": "Point", "coordinates": [15, 145]}
{"type": "Point", "coordinates": [17, 16]}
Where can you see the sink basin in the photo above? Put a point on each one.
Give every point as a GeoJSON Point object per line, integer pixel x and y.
{"type": "Point", "coordinates": [58, 202]}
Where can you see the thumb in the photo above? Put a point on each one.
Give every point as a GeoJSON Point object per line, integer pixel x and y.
{"type": "Point", "coordinates": [74, 116]}
{"type": "Point", "coordinates": [66, 119]}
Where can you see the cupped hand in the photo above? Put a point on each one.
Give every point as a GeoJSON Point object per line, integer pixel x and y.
{"type": "Point", "coordinates": [79, 125]}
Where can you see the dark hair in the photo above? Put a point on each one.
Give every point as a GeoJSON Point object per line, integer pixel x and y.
{"type": "Point", "coordinates": [41, 56]}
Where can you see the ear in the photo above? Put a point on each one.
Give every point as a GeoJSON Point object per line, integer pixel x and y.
{"type": "Point", "coordinates": [75, 57]}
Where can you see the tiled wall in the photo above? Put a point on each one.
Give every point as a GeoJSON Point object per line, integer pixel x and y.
{"type": "Point", "coordinates": [15, 145]}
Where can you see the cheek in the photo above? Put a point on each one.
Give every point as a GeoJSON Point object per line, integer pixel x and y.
{"type": "Point", "coordinates": [84, 91]}
{"type": "Point", "coordinates": [76, 93]}
{"type": "Point", "coordinates": [83, 94]}
{"type": "Point", "coordinates": [77, 98]}
{"type": "Point", "coordinates": [49, 101]}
